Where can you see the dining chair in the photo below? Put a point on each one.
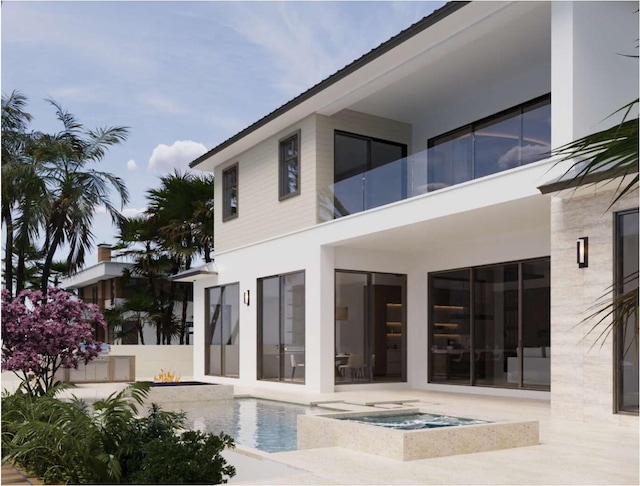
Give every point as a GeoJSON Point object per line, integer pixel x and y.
{"type": "Point", "coordinates": [294, 365]}
{"type": "Point", "coordinates": [354, 366]}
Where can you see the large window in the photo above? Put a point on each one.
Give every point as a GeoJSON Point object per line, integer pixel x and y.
{"type": "Point", "coordinates": [289, 180]}
{"type": "Point", "coordinates": [230, 193]}
{"type": "Point", "coordinates": [514, 137]}
{"type": "Point", "coordinates": [626, 351]}
{"type": "Point", "coordinates": [281, 328]}
{"type": "Point", "coordinates": [222, 331]}
{"type": "Point", "coordinates": [365, 175]}
{"type": "Point", "coordinates": [370, 327]}
{"type": "Point", "coordinates": [490, 325]}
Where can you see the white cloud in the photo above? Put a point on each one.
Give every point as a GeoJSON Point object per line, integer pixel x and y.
{"type": "Point", "coordinates": [165, 158]}
{"type": "Point", "coordinates": [133, 212]}
{"type": "Point", "coordinates": [131, 164]}
{"type": "Point", "coordinates": [126, 212]}
{"type": "Point", "coordinates": [517, 156]}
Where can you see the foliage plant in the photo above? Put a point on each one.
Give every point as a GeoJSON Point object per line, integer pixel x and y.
{"type": "Point", "coordinates": [51, 189]}
{"type": "Point", "coordinates": [42, 334]}
{"type": "Point", "coordinates": [71, 442]}
{"type": "Point", "coordinates": [176, 228]}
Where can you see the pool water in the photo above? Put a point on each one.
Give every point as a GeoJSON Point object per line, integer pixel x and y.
{"type": "Point", "coordinates": [265, 425]}
{"type": "Point", "coordinates": [414, 421]}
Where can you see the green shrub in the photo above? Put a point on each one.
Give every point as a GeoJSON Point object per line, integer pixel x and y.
{"type": "Point", "coordinates": [70, 442]}
{"type": "Point", "coordinates": [194, 459]}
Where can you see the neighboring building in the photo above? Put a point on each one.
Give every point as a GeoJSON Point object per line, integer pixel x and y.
{"type": "Point", "coordinates": [103, 284]}
{"type": "Point", "coordinates": [408, 242]}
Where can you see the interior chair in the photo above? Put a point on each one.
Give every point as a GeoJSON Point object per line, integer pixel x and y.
{"type": "Point", "coordinates": [353, 366]}
{"type": "Point", "coordinates": [294, 365]}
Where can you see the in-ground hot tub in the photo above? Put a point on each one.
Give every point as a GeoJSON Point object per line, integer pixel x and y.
{"type": "Point", "coordinates": [356, 430]}
{"type": "Point", "coordinates": [414, 421]}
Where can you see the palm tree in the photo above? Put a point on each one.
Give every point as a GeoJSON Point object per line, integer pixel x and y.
{"type": "Point", "coordinates": [182, 210]}
{"type": "Point", "coordinates": [138, 240]}
{"type": "Point", "coordinates": [76, 190]}
{"type": "Point", "coordinates": [23, 191]}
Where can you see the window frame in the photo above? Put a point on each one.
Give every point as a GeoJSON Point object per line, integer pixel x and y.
{"type": "Point", "coordinates": [226, 203]}
{"type": "Point", "coordinates": [368, 139]}
{"type": "Point", "coordinates": [473, 127]}
{"type": "Point", "coordinates": [520, 108]}
{"type": "Point", "coordinates": [207, 344]}
{"type": "Point", "coordinates": [282, 173]}
{"type": "Point", "coordinates": [618, 338]}
{"type": "Point", "coordinates": [471, 270]}
{"type": "Point", "coordinates": [282, 378]}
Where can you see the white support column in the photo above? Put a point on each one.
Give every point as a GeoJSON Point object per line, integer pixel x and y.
{"type": "Point", "coordinates": [248, 330]}
{"type": "Point", "coordinates": [561, 73]}
{"type": "Point", "coordinates": [417, 327]}
{"type": "Point", "coordinates": [319, 311]}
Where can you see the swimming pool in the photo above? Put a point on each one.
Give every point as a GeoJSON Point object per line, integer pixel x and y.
{"type": "Point", "coordinates": [265, 425]}
{"type": "Point", "coordinates": [414, 421]}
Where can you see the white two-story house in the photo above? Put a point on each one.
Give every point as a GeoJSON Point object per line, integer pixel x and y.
{"type": "Point", "coordinates": [398, 225]}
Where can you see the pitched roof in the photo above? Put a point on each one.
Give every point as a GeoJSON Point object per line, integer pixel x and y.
{"type": "Point", "coordinates": [426, 22]}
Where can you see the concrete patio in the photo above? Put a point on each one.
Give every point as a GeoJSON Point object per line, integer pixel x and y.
{"type": "Point", "coordinates": [570, 452]}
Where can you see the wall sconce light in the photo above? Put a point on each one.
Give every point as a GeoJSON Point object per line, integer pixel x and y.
{"type": "Point", "coordinates": [583, 252]}
{"type": "Point", "coordinates": [246, 297]}
{"type": "Point", "coordinates": [342, 313]}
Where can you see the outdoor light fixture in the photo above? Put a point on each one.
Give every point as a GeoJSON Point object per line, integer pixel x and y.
{"type": "Point", "coordinates": [583, 252]}
{"type": "Point", "coordinates": [246, 297]}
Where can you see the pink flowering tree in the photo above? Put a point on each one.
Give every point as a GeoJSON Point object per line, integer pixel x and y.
{"type": "Point", "coordinates": [42, 334]}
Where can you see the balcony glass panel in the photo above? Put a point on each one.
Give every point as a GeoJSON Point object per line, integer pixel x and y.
{"type": "Point", "coordinates": [497, 145]}
{"type": "Point", "coordinates": [536, 132]}
{"type": "Point", "coordinates": [371, 173]}
{"type": "Point", "coordinates": [451, 162]}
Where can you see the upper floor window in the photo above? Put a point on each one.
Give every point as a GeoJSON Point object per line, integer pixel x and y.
{"type": "Point", "coordinates": [290, 166]}
{"type": "Point", "coordinates": [230, 193]}
{"type": "Point", "coordinates": [368, 172]}
{"type": "Point", "coordinates": [517, 136]}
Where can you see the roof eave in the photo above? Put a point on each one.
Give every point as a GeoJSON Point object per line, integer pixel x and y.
{"type": "Point", "coordinates": [396, 40]}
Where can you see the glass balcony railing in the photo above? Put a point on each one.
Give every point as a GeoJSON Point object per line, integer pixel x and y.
{"type": "Point", "coordinates": [417, 174]}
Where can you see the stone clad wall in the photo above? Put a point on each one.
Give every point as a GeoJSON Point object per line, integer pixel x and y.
{"type": "Point", "coordinates": [582, 379]}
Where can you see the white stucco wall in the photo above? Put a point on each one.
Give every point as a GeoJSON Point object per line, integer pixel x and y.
{"type": "Point", "coordinates": [321, 249]}
{"type": "Point", "coordinates": [592, 78]}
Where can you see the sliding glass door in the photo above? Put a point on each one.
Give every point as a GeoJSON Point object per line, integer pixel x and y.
{"type": "Point", "coordinates": [281, 328]}
{"type": "Point", "coordinates": [222, 356]}
{"type": "Point", "coordinates": [626, 350]}
{"type": "Point", "coordinates": [489, 325]}
{"type": "Point", "coordinates": [370, 327]}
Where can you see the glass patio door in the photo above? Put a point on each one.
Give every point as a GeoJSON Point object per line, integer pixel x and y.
{"type": "Point", "coordinates": [281, 328]}
{"type": "Point", "coordinates": [370, 327]}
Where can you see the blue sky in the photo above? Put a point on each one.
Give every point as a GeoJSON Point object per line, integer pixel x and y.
{"type": "Point", "coordinates": [183, 76]}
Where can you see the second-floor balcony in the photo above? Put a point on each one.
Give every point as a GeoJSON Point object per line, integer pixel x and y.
{"type": "Point", "coordinates": [370, 173]}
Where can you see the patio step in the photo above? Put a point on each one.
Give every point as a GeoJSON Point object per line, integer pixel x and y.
{"type": "Point", "coordinates": [345, 407]}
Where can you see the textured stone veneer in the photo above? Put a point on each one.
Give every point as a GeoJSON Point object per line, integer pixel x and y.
{"type": "Point", "coordinates": [190, 393]}
{"type": "Point", "coordinates": [407, 445]}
